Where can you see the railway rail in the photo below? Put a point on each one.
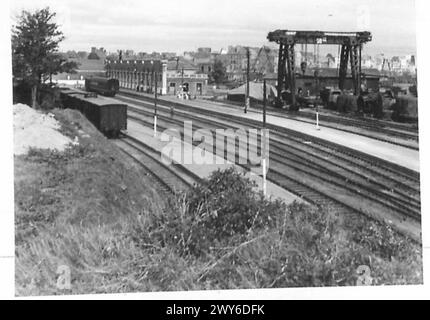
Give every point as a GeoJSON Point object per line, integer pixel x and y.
{"type": "Point", "coordinates": [404, 135]}
{"type": "Point", "coordinates": [170, 178]}
{"type": "Point", "coordinates": [393, 168]}
{"type": "Point", "coordinates": [398, 196]}
{"type": "Point", "coordinates": [404, 130]}
{"type": "Point", "coordinates": [365, 128]}
{"type": "Point", "coordinates": [312, 164]}
{"type": "Point", "coordinates": [319, 171]}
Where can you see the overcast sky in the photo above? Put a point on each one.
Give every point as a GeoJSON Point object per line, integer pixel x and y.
{"type": "Point", "coordinates": [183, 25]}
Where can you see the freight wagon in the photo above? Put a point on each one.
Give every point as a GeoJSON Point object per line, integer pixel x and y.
{"type": "Point", "coordinates": [107, 115]}
{"type": "Point", "coordinates": [405, 109]}
{"type": "Point", "coordinates": [104, 86]}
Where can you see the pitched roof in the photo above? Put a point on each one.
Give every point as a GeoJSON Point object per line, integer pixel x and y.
{"type": "Point", "coordinates": [136, 65]}
{"type": "Point", "coordinates": [181, 63]}
{"type": "Point", "coordinates": [334, 72]}
{"type": "Point", "coordinates": [89, 65]}
{"type": "Point", "coordinates": [255, 90]}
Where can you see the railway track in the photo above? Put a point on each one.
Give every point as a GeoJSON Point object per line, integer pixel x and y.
{"type": "Point", "coordinates": [169, 178]}
{"type": "Point", "coordinates": [318, 171]}
{"type": "Point", "coordinates": [290, 159]}
{"type": "Point", "coordinates": [391, 168]}
{"type": "Point", "coordinates": [389, 128]}
{"type": "Point", "coordinates": [333, 122]}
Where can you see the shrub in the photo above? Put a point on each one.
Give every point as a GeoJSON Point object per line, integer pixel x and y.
{"type": "Point", "coordinates": [222, 207]}
{"type": "Point", "coordinates": [249, 241]}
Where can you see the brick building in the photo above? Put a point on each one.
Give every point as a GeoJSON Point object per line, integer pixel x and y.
{"type": "Point", "coordinates": [185, 74]}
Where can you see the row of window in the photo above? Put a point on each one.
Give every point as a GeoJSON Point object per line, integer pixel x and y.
{"type": "Point", "coordinates": [122, 74]}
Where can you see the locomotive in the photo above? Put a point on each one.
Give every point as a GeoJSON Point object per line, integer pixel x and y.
{"type": "Point", "coordinates": [103, 86]}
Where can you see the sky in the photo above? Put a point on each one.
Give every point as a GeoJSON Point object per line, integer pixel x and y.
{"type": "Point", "coordinates": [185, 25]}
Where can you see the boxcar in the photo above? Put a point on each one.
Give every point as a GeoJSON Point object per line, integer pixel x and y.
{"type": "Point", "coordinates": [405, 109]}
{"type": "Point", "coordinates": [104, 86]}
{"type": "Point", "coordinates": [107, 115]}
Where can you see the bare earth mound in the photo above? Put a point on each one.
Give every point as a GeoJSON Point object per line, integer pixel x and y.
{"type": "Point", "coordinates": [33, 129]}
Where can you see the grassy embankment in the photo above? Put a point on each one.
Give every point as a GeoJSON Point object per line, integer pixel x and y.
{"type": "Point", "coordinates": [90, 210]}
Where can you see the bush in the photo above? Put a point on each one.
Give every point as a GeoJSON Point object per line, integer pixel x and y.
{"type": "Point", "coordinates": [249, 241]}
{"type": "Point", "coordinates": [208, 215]}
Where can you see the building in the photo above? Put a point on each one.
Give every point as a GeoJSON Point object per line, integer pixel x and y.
{"type": "Point", "coordinates": [97, 54]}
{"type": "Point", "coordinates": [140, 75]}
{"type": "Point", "coordinates": [235, 61]}
{"type": "Point", "coordinates": [266, 61]}
{"type": "Point", "coordinates": [204, 59]}
{"type": "Point", "coordinates": [169, 77]}
{"type": "Point", "coordinates": [185, 74]}
{"type": "Point", "coordinates": [256, 92]}
{"type": "Point", "coordinates": [204, 62]}
{"type": "Point", "coordinates": [329, 77]}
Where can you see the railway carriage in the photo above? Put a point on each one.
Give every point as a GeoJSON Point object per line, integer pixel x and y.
{"type": "Point", "coordinates": [104, 86]}
{"type": "Point", "coordinates": [107, 115]}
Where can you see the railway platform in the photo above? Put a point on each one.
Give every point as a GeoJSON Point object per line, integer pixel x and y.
{"type": "Point", "coordinates": [400, 155]}
{"type": "Point", "coordinates": [146, 135]}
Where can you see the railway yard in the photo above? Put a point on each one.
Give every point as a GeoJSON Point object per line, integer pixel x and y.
{"type": "Point", "coordinates": [350, 165]}
{"type": "Point", "coordinates": [169, 172]}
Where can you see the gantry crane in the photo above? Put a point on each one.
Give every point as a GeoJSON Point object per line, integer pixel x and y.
{"type": "Point", "coordinates": [351, 46]}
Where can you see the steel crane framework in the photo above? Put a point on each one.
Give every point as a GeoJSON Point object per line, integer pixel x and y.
{"type": "Point", "coordinates": [351, 46]}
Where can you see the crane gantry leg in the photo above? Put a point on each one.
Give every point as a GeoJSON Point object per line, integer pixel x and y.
{"type": "Point", "coordinates": [343, 66]}
{"type": "Point", "coordinates": [355, 72]}
{"type": "Point", "coordinates": [351, 46]}
{"type": "Point", "coordinates": [291, 75]}
{"type": "Point", "coordinates": [281, 70]}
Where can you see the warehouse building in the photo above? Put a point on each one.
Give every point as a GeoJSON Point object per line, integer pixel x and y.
{"type": "Point", "coordinates": [170, 77]}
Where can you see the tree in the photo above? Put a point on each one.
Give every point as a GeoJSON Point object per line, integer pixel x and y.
{"type": "Point", "coordinates": [58, 64]}
{"type": "Point", "coordinates": [72, 54]}
{"type": "Point", "coordinates": [35, 41]}
{"type": "Point", "coordinates": [82, 54]}
{"type": "Point", "coordinates": [219, 73]}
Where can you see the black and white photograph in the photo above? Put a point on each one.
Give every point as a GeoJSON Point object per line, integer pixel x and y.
{"type": "Point", "coordinates": [180, 146]}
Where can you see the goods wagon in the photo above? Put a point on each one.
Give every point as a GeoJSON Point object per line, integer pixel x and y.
{"type": "Point", "coordinates": [107, 115]}
{"type": "Point", "coordinates": [371, 103]}
{"type": "Point", "coordinates": [346, 103]}
{"type": "Point", "coordinates": [104, 86]}
{"type": "Point", "coordinates": [405, 109]}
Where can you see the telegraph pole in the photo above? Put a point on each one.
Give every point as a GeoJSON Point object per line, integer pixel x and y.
{"type": "Point", "coordinates": [155, 104]}
{"type": "Point", "coordinates": [317, 82]}
{"type": "Point", "coordinates": [263, 154]}
{"type": "Point", "coordinates": [247, 100]}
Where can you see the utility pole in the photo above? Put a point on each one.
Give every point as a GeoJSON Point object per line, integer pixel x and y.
{"type": "Point", "coordinates": [263, 153]}
{"type": "Point", "coordinates": [317, 82]}
{"type": "Point", "coordinates": [360, 48]}
{"type": "Point", "coordinates": [182, 78]}
{"type": "Point", "coordinates": [247, 100]}
{"type": "Point", "coordinates": [155, 105]}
